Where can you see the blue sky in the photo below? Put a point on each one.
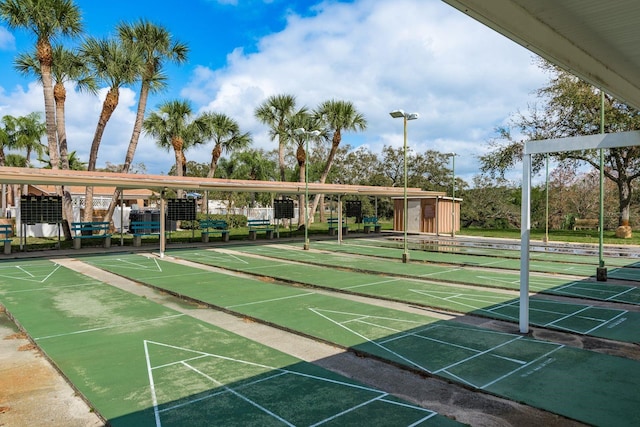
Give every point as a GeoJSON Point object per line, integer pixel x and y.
{"type": "Point", "coordinates": [418, 55]}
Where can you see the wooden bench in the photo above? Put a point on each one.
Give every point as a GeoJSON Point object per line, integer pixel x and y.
{"type": "Point", "coordinates": [586, 224]}
{"type": "Point", "coordinates": [260, 226]}
{"type": "Point", "coordinates": [371, 221]}
{"type": "Point", "coordinates": [214, 226]}
{"type": "Point", "coordinates": [90, 230]}
{"type": "Point", "coordinates": [6, 231]}
{"type": "Point", "coordinates": [332, 224]}
{"type": "Point", "coordinates": [143, 228]}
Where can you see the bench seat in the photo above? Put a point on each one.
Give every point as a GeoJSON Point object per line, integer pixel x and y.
{"type": "Point", "coordinates": [90, 230]}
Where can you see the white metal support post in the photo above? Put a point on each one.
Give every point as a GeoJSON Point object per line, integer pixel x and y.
{"type": "Point", "coordinates": [162, 225]}
{"type": "Point", "coordinates": [524, 243]}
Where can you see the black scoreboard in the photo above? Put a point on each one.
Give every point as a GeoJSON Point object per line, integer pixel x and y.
{"type": "Point", "coordinates": [283, 209]}
{"type": "Point", "coordinates": [354, 208]}
{"type": "Point", "coordinates": [41, 209]}
{"type": "Point", "coordinates": [181, 209]}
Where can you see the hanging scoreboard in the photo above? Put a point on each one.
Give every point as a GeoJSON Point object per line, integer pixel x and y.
{"type": "Point", "coordinates": [181, 209]}
{"type": "Point", "coordinates": [353, 208]}
{"type": "Point", "coordinates": [283, 209]}
{"type": "Point", "coordinates": [41, 209]}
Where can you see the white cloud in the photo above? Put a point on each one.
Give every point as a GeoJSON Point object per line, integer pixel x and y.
{"type": "Point", "coordinates": [420, 56]}
{"type": "Point", "coordinates": [7, 40]}
{"type": "Point", "coordinates": [461, 77]}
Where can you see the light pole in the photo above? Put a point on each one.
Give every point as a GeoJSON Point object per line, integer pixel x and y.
{"type": "Point", "coordinates": [453, 194]}
{"type": "Point", "coordinates": [396, 114]}
{"type": "Point", "coordinates": [306, 134]}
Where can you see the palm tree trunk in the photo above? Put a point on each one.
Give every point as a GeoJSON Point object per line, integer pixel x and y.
{"type": "Point", "coordinates": [108, 107]}
{"type": "Point", "coordinates": [327, 168]}
{"type": "Point", "coordinates": [133, 144]}
{"type": "Point", "coordinates": [60, 96]}
{"type": "Point", "coordinates": [44, 54]}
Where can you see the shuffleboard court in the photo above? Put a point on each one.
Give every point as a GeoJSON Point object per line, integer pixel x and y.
{"type": "Point", "coordinates": [558, 263]}
{"type": "Point", "coordinates": [141, 364]}
{"type": "Point", "coordinates": [617, 324]}
{"type": "Point", "coordinates": [587, 386]}
{"type": "Point", "coordinates": [563, 253]}
{"type": "Point", "coordinates": [486, 277]}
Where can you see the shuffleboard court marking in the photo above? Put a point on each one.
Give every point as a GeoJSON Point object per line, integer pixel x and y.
{"type": "Point", "coordinates": [103, 328]}
{"type": "Point", "coordinates": [418, 334]}
{"type": "Point", "coordinates": [128, 264]}
{"type": "Point", "coordinates": [320, 312]}
{"type": "Point", "coordinates": [48, 288]}
{"type": "Point", "coordinates": [380, 282]}
{"type": "Point", "coordinates": [275, 372]}
{"type": "Point", "coordinates": [619, 294]}
{"type": "Point", "coordinates": [456, 299]}
{"type": "Point", "coordinates": [270, 300]}
{"type": "Point", "coordinates": [22, 273]}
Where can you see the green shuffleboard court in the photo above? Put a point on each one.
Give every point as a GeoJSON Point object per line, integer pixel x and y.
{"type": "Point", "coordinates": [473, 276]}
{"type": "Point", "coordinates": [608, 323]}
{"type": "Point", "coordinates": [583, 385]}
{"type": "Point", "coordinates": [140, 364]}
{"type": "Point", "coordinates": [540, 262]}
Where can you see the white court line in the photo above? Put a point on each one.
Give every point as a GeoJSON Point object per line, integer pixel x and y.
{"type": "Point", "coordinates": [621, 293]}
{"type": "Point", "coordinates": [398, 355]}
{"type": "Point", "coordinates": [109, 327]}
{"type": "Point", "coordinates": [489, 384]}
{"type": "Point", "coordinates": [230, 255]}
{"type": "Point", "coordinates": [246, 399]}
{"type": "Point", "coordinates": [260, 365]}
{"type": "Point", "coordinates": [451, 270]}
{"type": "Point", "coordinates": [466, 359]}
{"type": "Point", "coordinates": [154, 398]}
{"type": "Point", "coordinates": [373, 283]}
{"type": "Point", "coordinates": [24, 271]}
{"type": "Point", "coordinates": [270, 300]}
{"type": "Point", "coordinates": [339, 414]}
{"type": "Point", "coordinates": [422, 337]}
{"type": "Point", "coordinates": [49, 288]}
{"type": "Point", "coordinates": [608, 321]}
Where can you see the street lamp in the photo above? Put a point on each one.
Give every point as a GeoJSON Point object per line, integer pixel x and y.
{"type": "Point", "coordinates": [306, 134]}
{"type": "Point", "coordinates": [396, 114]}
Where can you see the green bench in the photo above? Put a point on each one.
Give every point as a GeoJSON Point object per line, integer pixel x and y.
{"type": "Point", "coordinates": [332, 224]}
{"type": "Point", "coordinates": [371, 221]}
{"type": "Point", "coordinates": [6, 231]}
{"type": "Point", "coordinates": [140, 229]}
{"type": "Point", "coordinates": [90, 230]}
{"type": "Point", "coordinates": [260, 226]}
{"type": "Point", "coordinates": [214, 226]}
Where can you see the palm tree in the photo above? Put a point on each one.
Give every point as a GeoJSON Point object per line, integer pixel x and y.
{"type": "Point", "coordinates": [339, 116]}
{"type": "Point", "coordinates": [67, 66]}
{"type": "Point", "coordinates": [226, 136]}
{"type": "Point", "coordinates": [274, 112]}
{"type": "Point", "coordinates": [155, 45]}
{"type": "Point", "coordinates": [114, 64]}
{"type": "Point", "coordinates": [46, 20]}
{"type": "Point", "coordinates": [175, 127]}
{"type": "Point", "coordinates": [29, 130]}
{"type": "Point", "coordinates": [301, 120]}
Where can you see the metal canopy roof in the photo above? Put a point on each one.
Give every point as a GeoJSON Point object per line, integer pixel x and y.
{"type": "Point", "coordinates": [595, 40]}
{"type": "Point", "coordinates": [10, 175]}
